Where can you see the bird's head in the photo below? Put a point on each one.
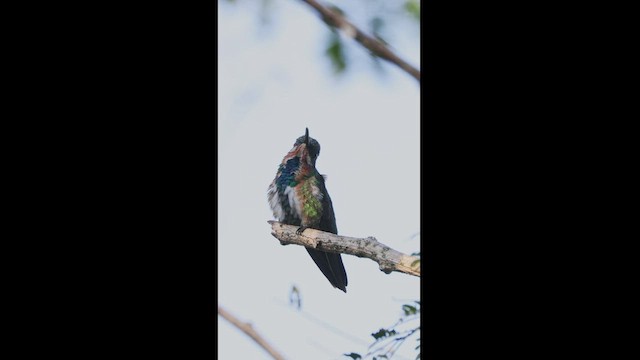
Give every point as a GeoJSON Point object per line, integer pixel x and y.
{"type": "Point", "coordinates": [306, 148]}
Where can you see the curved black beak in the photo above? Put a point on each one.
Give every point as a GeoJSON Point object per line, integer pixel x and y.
{"type": "Point", "coordinates": [306, 136]}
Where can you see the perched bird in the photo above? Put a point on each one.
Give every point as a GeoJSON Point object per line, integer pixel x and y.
{"type": "Point", "coordinates": [298, 196]}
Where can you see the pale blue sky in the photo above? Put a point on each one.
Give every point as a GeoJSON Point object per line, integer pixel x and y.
{"type": "Point", "coordinates": [273, 82]}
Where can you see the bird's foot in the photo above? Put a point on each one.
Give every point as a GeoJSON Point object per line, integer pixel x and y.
{"type": "Point", "coordinates": [301, 229]}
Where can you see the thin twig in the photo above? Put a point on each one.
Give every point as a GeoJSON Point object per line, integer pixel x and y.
{"type": "Point", "coordinates": [378, 48]}
{"type": "Point", "coordinates": [388, 258]}
{"type": "Point", "coordinates": [393, 343]}
{"type": "Point", "coordinates": [248, 329]}
{"type": "Point", "coordinates": [325, 324]}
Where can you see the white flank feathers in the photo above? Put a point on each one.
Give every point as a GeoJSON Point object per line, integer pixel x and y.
{"type": "Point", "coordinates": [294, 202]}
{"type": "Point", "coordinates": [274, 202]}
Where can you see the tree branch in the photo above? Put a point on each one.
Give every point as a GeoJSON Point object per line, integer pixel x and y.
{"type": "Point", "coordinates": [388, 258]}
{"type": "Point", "coordinates": [248, 329]}
{"type": "Point", "coordinates": [334, 19]}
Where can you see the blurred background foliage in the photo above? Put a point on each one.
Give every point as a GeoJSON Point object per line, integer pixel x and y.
{"type": "Point", "coordinates": [386, 20]}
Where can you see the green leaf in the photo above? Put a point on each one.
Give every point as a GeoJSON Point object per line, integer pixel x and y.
{"type": "Point", "coordinates": [380, 334]}
{"type": "Point", "coordinates": [335, 52]}
{"type": "Point", "coordinates": [377, 23]}
{"type": "Point", "coordinates": [383, 333]}
{"type": "Point", "coordinates": [353, 355]}
{"type": "Point", "coordinates": [409, 310]}
{"type": "Point", "coordinates": [336, 9]}
{"type": "Point", "coordinates": [413, 8]}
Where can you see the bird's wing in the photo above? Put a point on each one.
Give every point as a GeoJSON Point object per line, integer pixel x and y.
{"type": "Point", "coordinates": [328, 218]}
{"type": "Point", "coordinates": [329, 263]}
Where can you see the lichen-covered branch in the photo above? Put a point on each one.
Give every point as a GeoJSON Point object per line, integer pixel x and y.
{"type": "Point", "coordinates": [377, 47]}
{"type": "Point", "coordinates": [248, 329]}
{"type": "Point", "coordinates": [388, 258]}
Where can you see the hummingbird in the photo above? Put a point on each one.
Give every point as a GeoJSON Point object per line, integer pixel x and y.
{"type": "Point", "coordinates": [298, 196]}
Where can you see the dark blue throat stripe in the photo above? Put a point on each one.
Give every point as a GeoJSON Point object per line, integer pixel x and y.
{"type": "Point", "coordinates": [287, 176]}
